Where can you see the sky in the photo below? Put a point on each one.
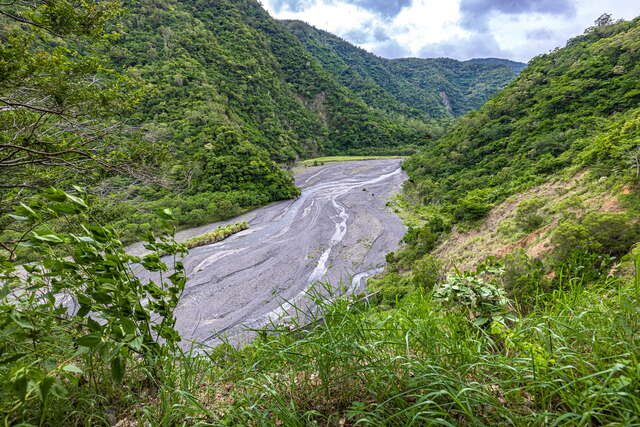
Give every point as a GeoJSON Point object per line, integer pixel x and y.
{"type": "Point", "coordinates": [460, 29]}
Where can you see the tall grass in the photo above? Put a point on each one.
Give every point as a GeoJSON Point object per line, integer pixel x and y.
{"type": "Point", "coordinates": [573, 360]}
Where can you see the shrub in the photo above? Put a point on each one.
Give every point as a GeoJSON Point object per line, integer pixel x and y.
{"type": "Point", "coordinates": [614, 232]}
{"type": "Point", "coordinates": [471, 208]}
{"type": "Point", "coordinates": [524, 279]}
{"type": "Point", "coordinates": [528, 217]}
{"type": "Point", "coordinates": [81, 309]}
{"type": "Point", "coordinates": [391, 288]}
{"type": "Point", "coordinates": [427, 272]}
{"type": "Point", "coordinates": [598, 232]}
{"type": "Point", "coordinates": [481, 301]}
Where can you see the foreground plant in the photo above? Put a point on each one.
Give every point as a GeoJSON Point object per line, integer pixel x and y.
{"type": "Point", "coordinates": [81, 310]}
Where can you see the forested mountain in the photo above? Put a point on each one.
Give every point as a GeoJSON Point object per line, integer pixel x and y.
{"type": "Point", "coordinates": [219, 97]}
{"type": "Point", "coordinates": [423, 88]}
{"type": "Point", "coordinates": [227, 64]}
{"type": "Point", "coordinates": [577, 106]}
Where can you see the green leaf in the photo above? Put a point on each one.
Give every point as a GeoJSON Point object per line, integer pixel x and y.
{"type": "Point", "coordinates": [78, 201]}
{"type": "Point", "coordinates": [55, 195]}
{"type": "Point", "coordinates": [165, 214]}
{"type": "Point", "coordinates": [11, 357]}
{"type": "Point", "coordinates": [45, 386]}
{"type": "Point", "coordinates": [136, 343]}
{"type": "Point", "coordinates": [24, 209]}
{"type": "Point", "coordinates": [93, 325]}
{"type": "Point", "coordinates": [117, 369]}
{"type": "Point", "coordinates": [20, 387]}
{"type": "Point", "coordinates": [90, 340]}
{"type": "Point", "coordinates": [480, 321]}
{"type": "Point", "coordinates": [21, 322]}
{"type": "Point", "coordinates": [52, 238]}
{"type": "Point", "coordinates": [59, 391]}
{"type": "Point", "coordinates": [72, 368]}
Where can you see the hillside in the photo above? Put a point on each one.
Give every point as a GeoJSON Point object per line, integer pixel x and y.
{"type": "Point", "coordinates": [423, 88]}
{"type": "Point", "coordinates": [212, 101]}
{"type": "Point", "coordinates": [574, 108]}
{"type": "Point", "coordinates": [230, 64]}
{"type": "Point", "coordinates": [513, 301]}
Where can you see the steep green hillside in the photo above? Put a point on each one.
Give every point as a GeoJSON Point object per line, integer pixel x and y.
{"type": "Point", "coordinates": [227, 64]}
{"type": "Point", "coordinates": [220, 97]}
{"type": "Point", "coordinates": [576, 107]}
{"type": "Point", "coordinates": [229, 98]}
{"type": "Point", "coordinates": [431, 88]}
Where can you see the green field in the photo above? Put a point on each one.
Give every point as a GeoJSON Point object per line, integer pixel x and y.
{"type": "Point", "coordinates": [320, 160]}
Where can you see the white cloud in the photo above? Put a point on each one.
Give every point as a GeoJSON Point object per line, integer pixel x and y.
{"type": "Point", "coordinates": [514, 30]}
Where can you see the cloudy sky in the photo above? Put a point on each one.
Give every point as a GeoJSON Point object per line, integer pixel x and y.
{"type": "Point", "coordinates": [462, 29]}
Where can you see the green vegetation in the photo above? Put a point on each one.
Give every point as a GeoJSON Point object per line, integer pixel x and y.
{"type": "Point", "coordinates": [179, 104]}
{"type": "Point", "coordinates": [59, 366]}
{"type": "Point", "coordinates": [205, 103]}
{"type": "Point", "coordinates": [574, 108]}
{"type": "Point", "coordinates": [458, 351]}
{"type": "Point", "coordinates": [217, 235]}
{"type": "Point", "coordinates": [329, 159]}
{"type": "Point", "coordinates": [424, 89]}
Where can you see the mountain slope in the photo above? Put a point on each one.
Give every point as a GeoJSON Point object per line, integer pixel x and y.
{"type": "Point", "coordinates": [227, 96]}
{"type": "Point", "coordinates": [555, 115]}
{"type": "Point", "coordinates": [230, 96]}
{"type": "Point", "coordinates": [426, 88]}
{"type": "Point", "coordinates": [574, 109]}
{"type": "Point", "coordinates": [229, 64]}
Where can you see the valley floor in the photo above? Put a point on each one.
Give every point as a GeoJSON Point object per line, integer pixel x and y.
{"type": "Point", "coordinates": [339, 230]}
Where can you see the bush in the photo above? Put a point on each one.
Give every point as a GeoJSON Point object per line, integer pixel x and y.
{"type": "Point", "coordinates": [616, 233]}
{"type": "Point", "coordinates": [524, 279]}
{"type": "Point", "coordinates": [469, 292]}
{"type": "Point", "coordinates": [391, 288]}
{"type": "Point", "coordinates": [471, 208]}
{"type": "Point", "coordinates": [427, 272]}
{"type": "Point", "coordinates": [598, 232]}
{"type": "Point", "coordinates": [217, 235]}
{"type": "Point", "coordinates": [528, 218]}
{"type": "Point", "coordinates": [80, 313]}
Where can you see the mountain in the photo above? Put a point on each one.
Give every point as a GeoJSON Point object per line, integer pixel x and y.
{"type": "Point", "coordinates": [549, 162]}
{"type": "Point", "coordinates": [423, 88]}
{"type": "Point", "coordinates": [557, 114]}
{"type": "Point", "coordinates": [231, 94]}
{"type": "Point", "coordinates": [518, 67]}
{"type": "Point", "coordinates": [222, 97]}
{"type": "Point", "coordinates": [231, 62]}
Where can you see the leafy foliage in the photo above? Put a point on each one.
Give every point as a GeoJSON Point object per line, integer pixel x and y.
{"type": "Point", "coordinates": [58, 94]}
{"type": "Point", "coordinates": [67, 318]}
{"type": "Point", "coordinates": [482, 301]}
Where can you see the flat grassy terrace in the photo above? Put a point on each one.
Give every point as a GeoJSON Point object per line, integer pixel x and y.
{"type": "Point", "coordinates": [321, 160]}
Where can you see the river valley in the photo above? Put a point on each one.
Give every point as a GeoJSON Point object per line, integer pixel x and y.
{"type": "Point", "coordinates": [338, 232]}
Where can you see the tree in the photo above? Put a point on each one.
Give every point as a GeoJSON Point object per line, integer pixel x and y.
{"type": "Point", "coordinates": [604, 19]}
{"type": "Point", "coordinates": [56, 91]}
{"type": "Point", "coordinates": [57, 94]}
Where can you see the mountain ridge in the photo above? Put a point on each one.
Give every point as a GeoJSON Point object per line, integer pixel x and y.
{"type": "Point", "coordinates": [405, 85]}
